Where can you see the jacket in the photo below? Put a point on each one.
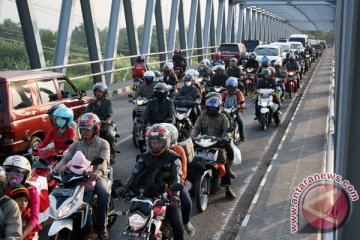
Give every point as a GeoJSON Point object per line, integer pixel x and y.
{"type": "Point", "coordinates": [233, 72]}
{"type": "Point", "coordinates": [218, 80]}
{"type": "Point", "coordinates": [98, 147]}
{"type": "Point", "coordinates": [145, 90]}
{"type": "Point", "coordinates": [252, 64]}
{"type": "Point", "coordinates": [139, 69]}
{"type": "Point", "coordinates": [179, 60]}
{"type": "Point", "coordinates": [292, 66]}
{"type": "Point", "coordinates": [170, 79]}
{"type": "Point", "coordinates": [13, 224]}
{"type": "Point", "coordinates": [159, 111]}
{"type": "Point", "coordinates": [58, 139]}
{"type": "Point", "coordinates": [263, 83]}
{"type": "Point", "coordinates": [151, 172]}
{"type": "Point", "coordinates": [239, 98]}
{"type": "Point", "coordinates": [102, 108]}
{"type": "Point", "coordinates": [179, 150]}
{"type": "Point", "coordinates": [191, 91]}
{"type": "Point", "coordinates": [212, 126]}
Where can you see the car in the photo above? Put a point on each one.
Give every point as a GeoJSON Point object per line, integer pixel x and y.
{"type": "Point", "coordinates": [273, 52]}
{"type": "Point", "coordinates": [286, 46]}
{"type": "Point", "coordinates": [282, 40]}
{"type": "Point", "coordinates": [25, 98]}
{"type": "Point", "coordinates": [303, 38]}
{"type": "Point", "coordinates": [296, 46]}
{"type": "Point", "coordinates": [251, 44]}
{"type": "Point", "coordinates": [231, 50]}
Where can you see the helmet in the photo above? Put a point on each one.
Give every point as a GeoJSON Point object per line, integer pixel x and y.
{"type": "Point", "coordinates": [89, 121]}
{"type": "Point", "coordinates": [296, 52]}
{"type": "Point", "coordinates": [192, 72]}
{"type": "Point", "coordinates": [66, 113]}
{"type": "Point", "coordinates": [149, 76]}
{"type": "Point", "coordinates": [213, 106]}
{"type": "Point", "coordinates": [100, 86]}
{"type": "Point", "coordinates": [157, 139]}
{"type": "Point", "coordinates": [52, 110]}
{"type": "Point", "coordinates": [217, 55]}
{"type": "Point", "coordinates": [161, 91]}
{"type": "Point", "coordinates": [174, 133]}
{"type": "Point", "coordinates": [219, 67]}
{"type": "Point", "coordinates": [232, 81]}
{"type": "Point", "coordinates": [205, 62]}
{"type": "Point", "coordinates": [188, 80]}
{"type": "Point", "coordinates": [291, 57]}
{"type": "Point", "coordinates": [272, 70]}
{"type": "Point", "coordinates": [3, 181]}
{"type": "Point", "coordinates": [20, 163]}
{"type": "Point", "coordinates": [265, 60]}
{"type": "Point", "coordinates": [213, 95]}
{"type": "Point", "coordinates": [177, 51]}
{"type": "Point", "coordinates": [266, 72]}
{"type": "Point", "coordinates": [243, 54]}
{"type": "Point", "coordinates": [277, 63]}
{"type": "Point", "coordinates": [233, 61]}
{"type": "Point", "coordinates": [157, 76]}
{"type": "Point", "coordinates": [167, 68]}
{"type": "Point", "coordinates": [140, 58]}
{"type": "Point", "coordinates": [252, 56]}
{"type": "Point", "coordinates": [288, 54]}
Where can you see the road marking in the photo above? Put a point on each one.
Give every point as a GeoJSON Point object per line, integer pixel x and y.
{"type": "Point", "coordinates": [123, 140]}
{"type": "Point", "coordinates": [246, 220]}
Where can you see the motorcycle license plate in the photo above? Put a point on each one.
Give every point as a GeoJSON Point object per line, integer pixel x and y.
{"type": "Point", "coordinates": [63, 192]}
{"type": "Point", "coordinates": [204, 154]}
{"type": "Point", "coordinates": [126, 234]}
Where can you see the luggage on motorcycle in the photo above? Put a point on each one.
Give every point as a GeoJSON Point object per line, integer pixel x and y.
{"type": "Point", "coordinates": [237, 154]}
{"type": "Point", "coordinates": [188, 146]}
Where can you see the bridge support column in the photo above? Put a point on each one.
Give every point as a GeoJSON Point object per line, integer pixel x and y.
{"type": "Point", "coordinates": [207, 24]}
{"type": "Point", "coordinates": [199, 35]}
{"type": "Point", "coordinates": [182, 29]}
{"type": "Point", "coordinates": [213, 38]}
{"type": "Point", "coordinates": [172, 26]}
{"type": "Point", "coordinates": [241, 24]}
{"type": "Point", "coordinates": [230, 17]}
{"type": "Point", "coordinates": [160, 32]}
{"type": "Point", "coordinates": [191, 26]}
{"type": "Point", "coordinates": [131, 30]}
{"type": "Point", "coordinates": [219, 22]}
{"type": "Point", "coordinates": [147, 32]}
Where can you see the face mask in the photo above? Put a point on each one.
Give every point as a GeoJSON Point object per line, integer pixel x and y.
{"type": "Point", "coordinates": [188, 84]}
{"type": "Point", "coordinates": [60, 122]}
{"type": "Point", "coordinates": [14, 178]}
{"type": "Point", "coordinates": [159, 96]}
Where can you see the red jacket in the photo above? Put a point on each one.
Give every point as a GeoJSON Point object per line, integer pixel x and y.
{"type": "Point", "coordinates": [58, 139]}
{"type": "Point", "coordinates": [139, 69]}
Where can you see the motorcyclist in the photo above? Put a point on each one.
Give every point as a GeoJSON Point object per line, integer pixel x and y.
{"type": "Point", "coordinates": [192, 92]}
{"type": "Point", "coordinates": [155, 167]}
{"type": "Point", "coordinates": [205, 69]}
{"type": "Point", "coordinates": [287, 59]}
{"type": "Point", "coordinates": [92, 146]}
{"type": "Point", "coordinates": [279, 73]}
{"type": "Point", "coordinates": [157, 76]}
{"type": "Point", "coordinates": [102, 107]}
{"type": "Point", "coordinates": [267, 82]}
{"type": "Point", "coordinates": [214, 123]}
{"type": "Point", "coordinates": [169, 77]}
{"type": "Point", "coordinates": [13, 228]}
{"type": "Point", "coordinates": [179, 60]}
{"type": "Point", "coordinates": [146, 90]}
{"type": "Point", "coordinates": [243, 57]}
{"type": "Point", "coordinates": [61, 131]}
{"type": "Point", "coordinates": [233, 70]}
{"type": "Point", "coordinates": [308, 48]}
{"type": "Point", "coordinates": [292, 65]}
{"type": "Point", "coordinates": [252, 63]}
{"type": "Point", "coordinates": [265, 63]}
{"type": "Point", "coordinates": [18, 170]}
{"type": "Point", "coordinates": [186, 203]}
{"type": "Point", "coordinates": [235, 98]}
{"type": "Point", "coordinates": [52, 118]}
{"type": "Point", "coordinates": [139, 67]}
{"type": "Point", "coordinates": [217, 59]}
{"type": "Point", "coordinates": [219, 78]}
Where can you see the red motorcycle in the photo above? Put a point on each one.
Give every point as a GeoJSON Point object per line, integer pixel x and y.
{"type": "Point", "coordinates": [249, 80]}
{"type": "Point", "coordinates": [291, 83]}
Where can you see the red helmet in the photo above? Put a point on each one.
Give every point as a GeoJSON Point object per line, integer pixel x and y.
{"type": "Point", "coordinates": [90, 121]}
{"type": "Point", "coordinates": [217, 55]}
{"type": "Point", "coordinates": [176, 51]}
{"type": "Point", "coordinates": [157, 139]}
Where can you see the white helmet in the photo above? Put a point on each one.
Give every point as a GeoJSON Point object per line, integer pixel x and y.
{"type": "Point", "coordinates": [277, 63]}
{"type": "Point", "coordinates": [192, 72]}
{"type": "Point", "coordinates": [168, 65]}
{"type": "Point", "coordinates": [17, 161]}
{"type": "Point", "coordinates": [218, 67]}
{"type": "Point", "coordinates": [149, 76]}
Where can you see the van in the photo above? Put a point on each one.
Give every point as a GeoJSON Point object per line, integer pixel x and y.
{"type": "Point", "coordinates": [25, 98]}
{"type": "Point", "coordinates": [231, 50]}
{"type": "Point", "coordinates": [303, 38]}
{"type": "Point", "coordinates": [272, 51]}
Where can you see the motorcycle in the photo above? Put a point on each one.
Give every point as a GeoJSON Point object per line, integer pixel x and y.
{"type": "Point", "coordinates": [205, 168]}
{"type": "Point", "coordinates": [138, 130]}
{"type": "Point", "coordinates": [146, 217]}
{"type": "Point", "coordinates": [67, 208]}
{"type": "Point", "coordinates": [137, 81]}
{"type": "Point", "coordinates": [279, 86]}
{"type": "Point", "coordinates": [249, 80]}
{"type": "Point", "coordinates": [307, 61]}
{"type": "Point", "coordinates": [231, 114]}
{"type": "Point", "coordinates": [291, 83]}
{"type": "Point", "coordinates": [266, 106]}
{"type": "Point", "coordinates": [183, 109]}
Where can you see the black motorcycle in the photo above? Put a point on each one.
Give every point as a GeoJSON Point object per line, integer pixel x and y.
{"type": "Point", "coordinates": [138, 129]}
{"type": "Point", "coordinates": [183, 109]}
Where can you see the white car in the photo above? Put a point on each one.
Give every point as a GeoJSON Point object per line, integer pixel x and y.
{"type": "Point", "coordinates": [273, 52]}
{"type": "Point", "coordinates": [296, 46]}
{"type": "Point", "coordinates": [286, 46]}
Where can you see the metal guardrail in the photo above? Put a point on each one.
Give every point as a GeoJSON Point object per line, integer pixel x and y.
{"type": "Point", "coordinates": [125, 58]}
{"type": "Point", "coordinates": [330, 155]}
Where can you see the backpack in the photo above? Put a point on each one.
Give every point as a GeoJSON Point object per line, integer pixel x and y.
{"type": "Point", "coordinates": [139, 69]}
{"type": "Point", "coordinates": [3, 201]}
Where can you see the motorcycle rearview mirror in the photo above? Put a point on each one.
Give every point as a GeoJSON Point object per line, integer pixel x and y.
{"type": "Point", "coordinates": [97, 161]}
{"type": "Point", "coordinates": [230, 129]}
{"type": "Point", "coordinates": [68, 141]}
{"type": "Point", "coordinates": [176, 187]}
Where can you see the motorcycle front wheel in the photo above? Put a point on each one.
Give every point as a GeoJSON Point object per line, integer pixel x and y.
{"type": "Point", "coordinates": [263, 121]}
{"type": "Point", "coordinates": [291, 90]}
{"type": "Point", "coordinates": [202, 190]}
{"type": "Point", "coordinates": [136, 134]}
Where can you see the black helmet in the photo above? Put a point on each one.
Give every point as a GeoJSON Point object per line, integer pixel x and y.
{"type": "Point", "coordinates": [140, 58]}
{"type": "Point", "coordinates": [266, 72]}
{"type": "Point", "coordinates": [161, 91]}
{"type": "Point", "coordinates": [288, 54]}
{"type": "Point", "coordinates": [100, 86]}
{"type": "Point", "coordinates": [3, 181]}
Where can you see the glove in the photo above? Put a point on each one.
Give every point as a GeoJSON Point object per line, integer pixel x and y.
{"type": "Point", "coordinates": [175, 201]}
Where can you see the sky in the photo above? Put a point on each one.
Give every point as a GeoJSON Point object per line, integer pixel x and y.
{"type": "Point", "coordinates": [47, 12]}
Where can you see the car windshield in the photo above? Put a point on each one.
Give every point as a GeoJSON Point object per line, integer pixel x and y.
{"type": "Point", "coordinates": [285, 47]}
{"type": "Point", "coordinates": [229, 48]}
{"type": "Point", "coordinates": [296, 39]}
{"type": "Point", "coordinates": [267, 51]}
{"type": "Point", "coordinates": [295, 45]}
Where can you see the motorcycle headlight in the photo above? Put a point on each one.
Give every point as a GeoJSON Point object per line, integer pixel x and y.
{"type": "Point", "coordinates": [136, 221]}
{"type": "Point", "coordinates": [67, 209]}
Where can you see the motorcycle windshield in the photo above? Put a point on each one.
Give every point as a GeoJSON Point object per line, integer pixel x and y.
{"type": "Point", "coordinates": [143, 206]}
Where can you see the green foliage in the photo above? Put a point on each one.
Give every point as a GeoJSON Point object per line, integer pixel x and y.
{"type": "Point", "coordinates": [328, 36]}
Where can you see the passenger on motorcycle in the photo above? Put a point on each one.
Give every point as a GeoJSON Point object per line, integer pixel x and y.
{"type": "Point", "coordinates": [265, 63]}
{"type": "Point", "coordinates": [157, 76]}
{"type": "Point", "coordinates": [146, 90]}
{"type": "Point", "coordinates": [267, 82]}
{"type": "Point", "coordinates": [220, 77]}
{"type": "Point", "coordinates": [214, 123]}
{"type": "Point", "coordinates": [179, 60]}
{"type": "Point", "coordinates": [169, 77]}
{"type": "Point", "coordinates": [61, 131]}
{"type": "Point", "coordinates": [205, 69]}
{"type": "Point", "coordinates": [186, 203]}
{"type": "Point", "coordinates": [154, 168]}
{"type": "Point", "coordinates": [102, 107]}
{"type": "Point", "coordinates": [73, 124]}
{"type": "Point", "coordinates": [139, 67]}
{"type": "Point", "coordinates": [243, 57]}
{"type": "Point", "coordinates": [234, 98]}
{"type": "Point", "coordinates": [18, 171]}
{"type": "Point", "coordinates": [292, 65]}
{"type": "Point", "coordinates": [252, 63]}
{"type": "Point", "coordinates": [279, 73]}
{"type": "Point", "coordinates": [217, 59]}
{"type": "Point", "coordinates": [92, 146]}
{"type": "Point", "coordinates": [233, 70]}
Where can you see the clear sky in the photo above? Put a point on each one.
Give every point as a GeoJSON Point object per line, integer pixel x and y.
{"type": "Point", "coordinates": [47, 12]}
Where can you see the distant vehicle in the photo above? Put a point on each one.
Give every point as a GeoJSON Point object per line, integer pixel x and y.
{"type": "Point", "coordinates": [303, 38]}
{"type": "Point", "coordinates": [273, 52]}
{"type": "Point", "coordinates": [296, 46]}
{"type": "Point", "coordinates": [251, 44]}
{"type": "Point", "coordinates": [286, 46]}
{"type": "Point", "coordinates": [282, 40]}
{"type": "Point", "coordinates": [231, 50]}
